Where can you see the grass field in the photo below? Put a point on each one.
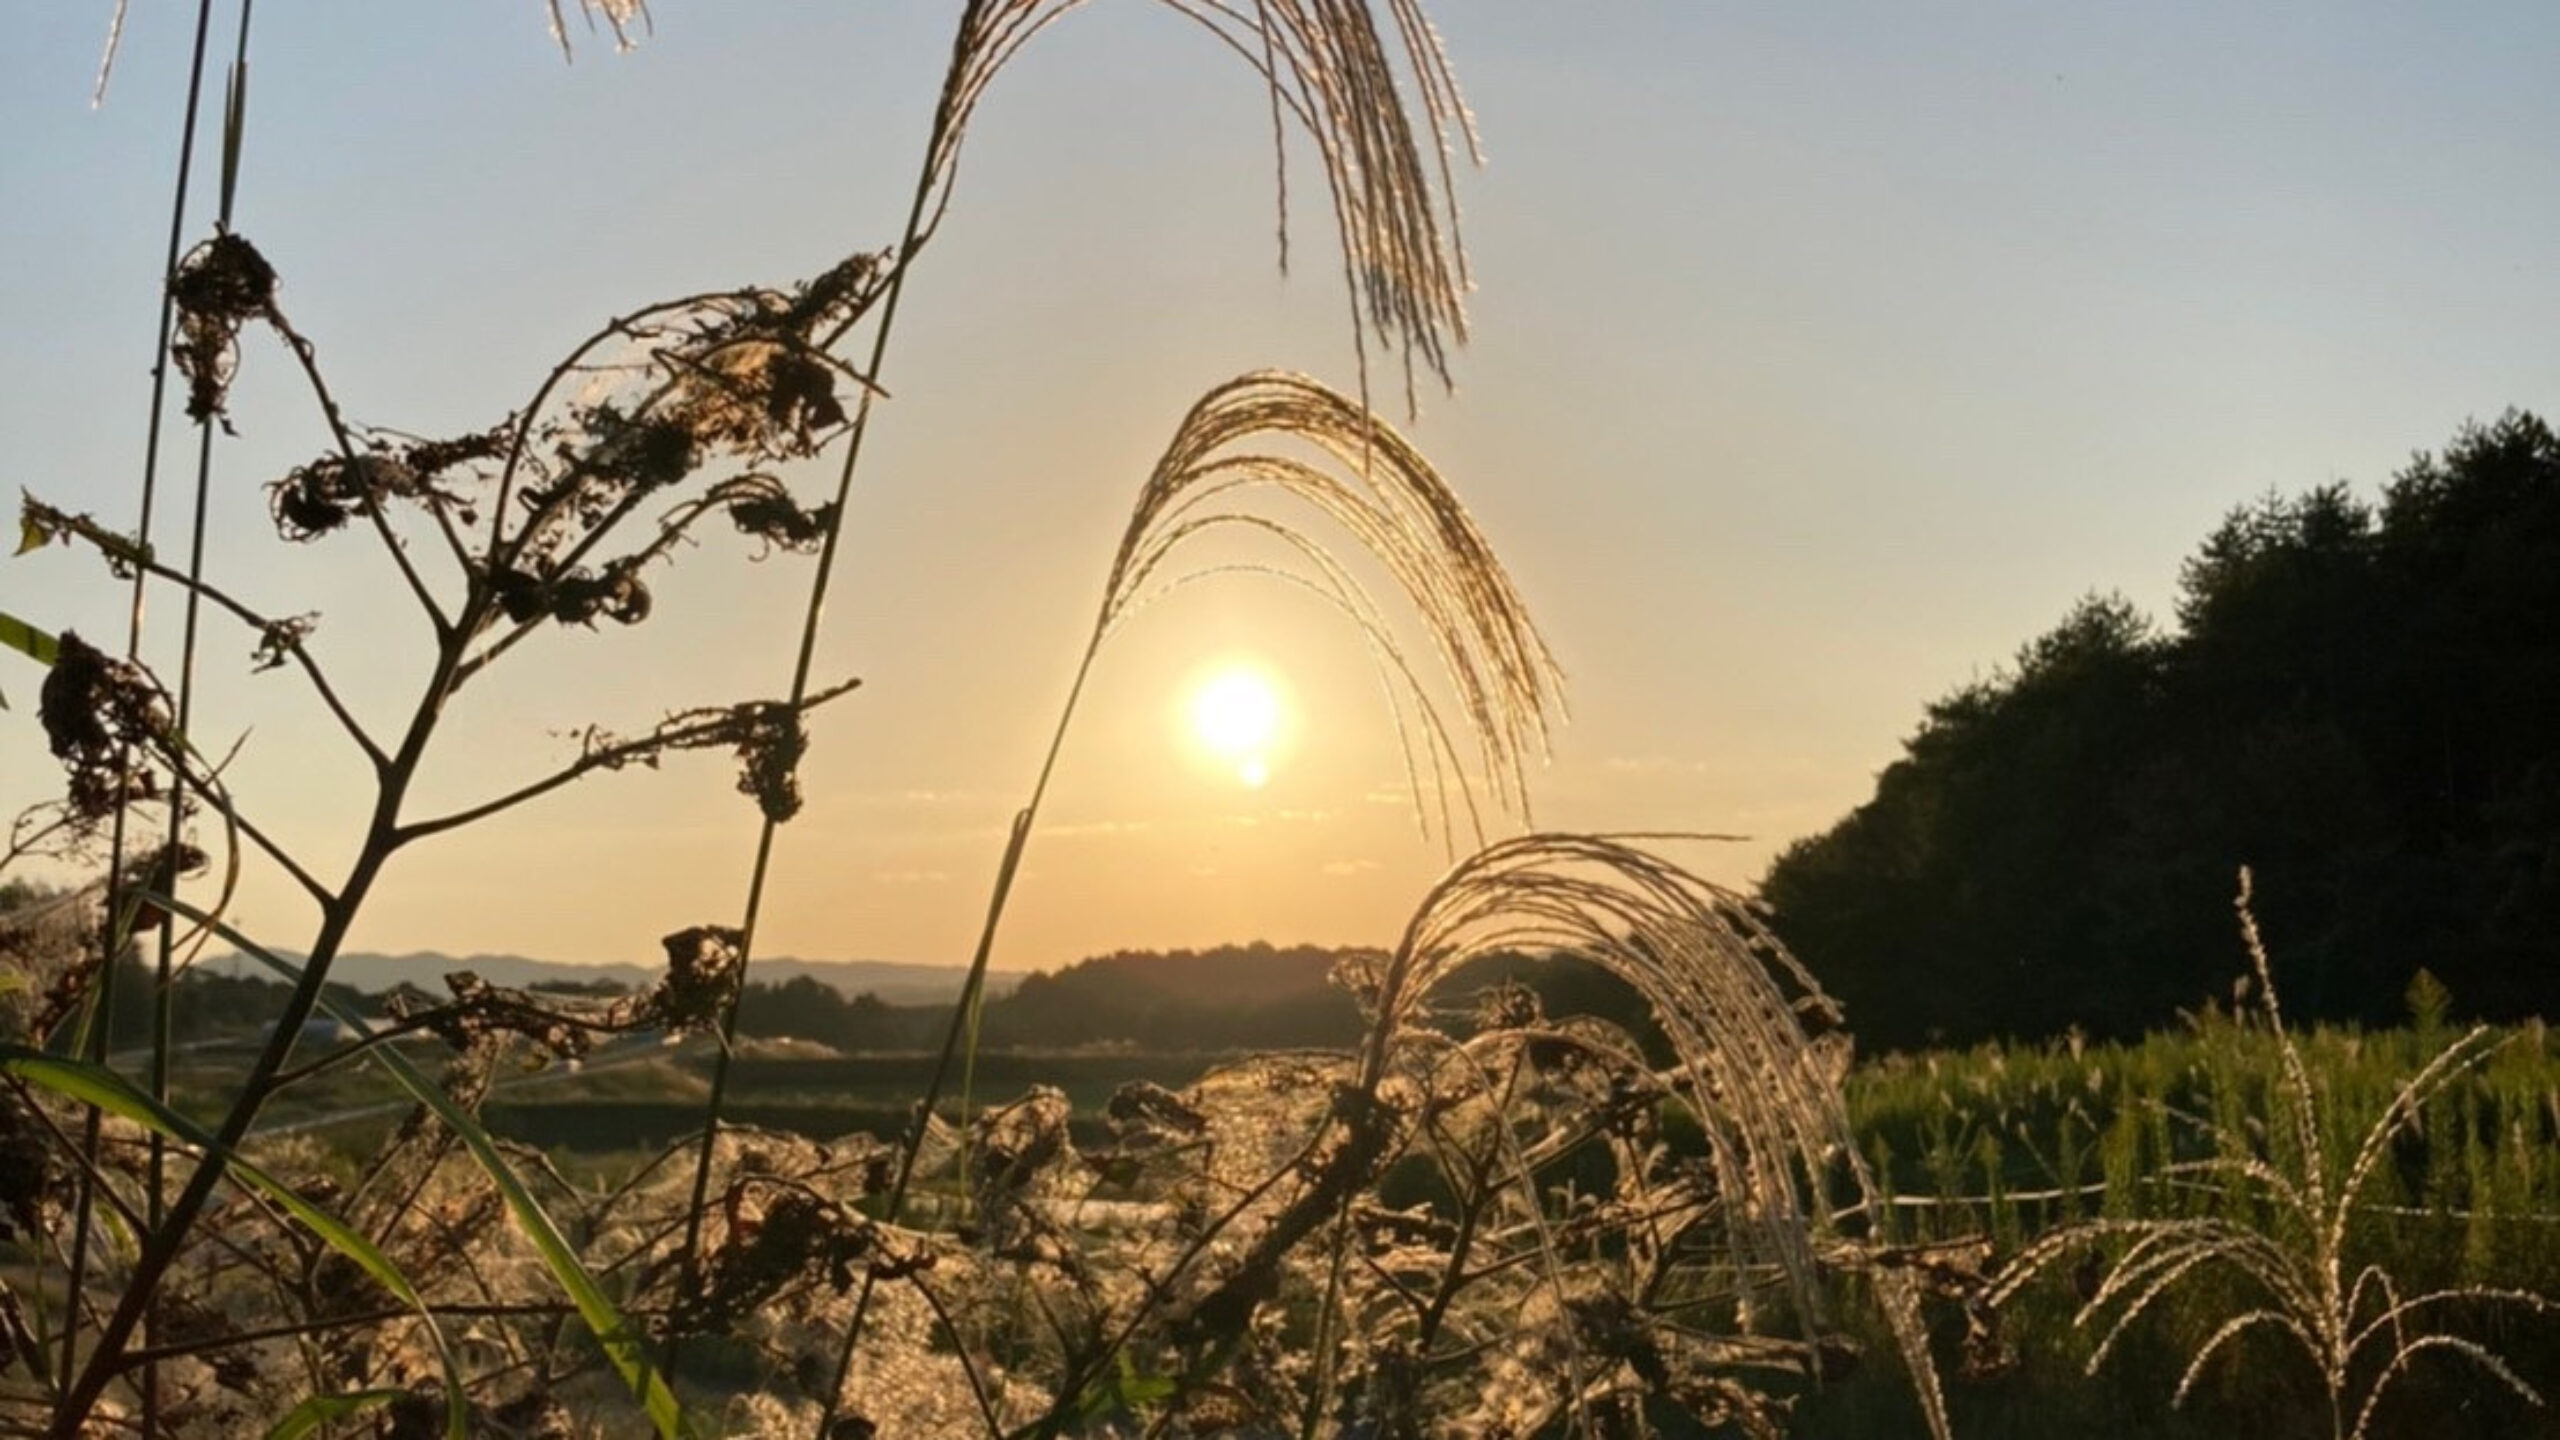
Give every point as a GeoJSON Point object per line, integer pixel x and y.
{"type": "Point", "coordinates": [2003, 1142]}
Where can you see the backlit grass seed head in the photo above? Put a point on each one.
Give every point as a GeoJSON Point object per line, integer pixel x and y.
{"type": "Point", "coordinates": [532, 513]}
{"type": "Point", "coordinates": [1369, 87]}
{"type": "Point", "coordinates": [1725, 993]}
{"type": "Point", "coordinates": [1369, 484]}
{"type": "Point", "coordinates": [619, 17]}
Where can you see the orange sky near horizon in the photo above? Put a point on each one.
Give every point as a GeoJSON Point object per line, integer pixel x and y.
{"type": "Point", "coordinates": [1819, 361]}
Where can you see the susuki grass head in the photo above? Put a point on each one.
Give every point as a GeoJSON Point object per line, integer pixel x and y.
{"type": "Point", "coordinates": [1296, 463]}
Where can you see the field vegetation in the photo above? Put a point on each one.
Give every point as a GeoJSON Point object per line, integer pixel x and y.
{"type": "Point", "coordinates": [2018, 1170]}
{"type": "Point", "coordinates": [1584, 1151]}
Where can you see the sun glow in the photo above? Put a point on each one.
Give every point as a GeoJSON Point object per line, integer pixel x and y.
{"type": "Point", "coordinates": [1236, 716]}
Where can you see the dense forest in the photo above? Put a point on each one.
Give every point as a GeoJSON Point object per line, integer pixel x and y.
{"type": "Point", "coordinates": [2359, 700]}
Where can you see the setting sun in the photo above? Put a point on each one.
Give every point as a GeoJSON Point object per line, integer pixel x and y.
{"type": "Point", "coordinates": [1236, 717]}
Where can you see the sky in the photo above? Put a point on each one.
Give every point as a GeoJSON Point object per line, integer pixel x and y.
{"type": "Point", "coordinates": [1822, 355]}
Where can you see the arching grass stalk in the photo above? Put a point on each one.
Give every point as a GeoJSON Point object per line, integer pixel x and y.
{"type": "Point", "coordinates": [1327, 67]}
{"type": "Point", "coordinates": [1736, 1007]}
{"type": "Point", "coordinates": [522, 510]}
{"type": "Point", "coordinates": [1395, 508]}
{"type": "Point", "coordinates": [1325, 64]}
{"type": "Point", "coordinates": [1431, 1345]}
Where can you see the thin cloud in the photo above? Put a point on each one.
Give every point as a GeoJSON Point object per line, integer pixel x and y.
{"type": "Point", "coordinates": [1652, 765]}
{"type": "Point", "coordinates": [925, 795]}
{"type": "Point", "coordinates": [1086, 829]}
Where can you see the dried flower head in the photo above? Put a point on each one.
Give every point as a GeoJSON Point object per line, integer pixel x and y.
{"type": "Point", "coordinates": [103, 716]}
{"type": "Point", "coordinates": [221, 285]}
{"type": "Point", "coordinates": [767, 398]}
{"type": "Point", "coordinates": [704, 965]}
{"type": "Point", "coordinates": [770, 744]}
{"type": "Point", "coordinates": [315, 499]}
{"type": "Point", "coordinates": [759, 506]}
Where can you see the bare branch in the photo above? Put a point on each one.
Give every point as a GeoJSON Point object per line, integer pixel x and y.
{"type": "Point", "coordinates": [694, 730]}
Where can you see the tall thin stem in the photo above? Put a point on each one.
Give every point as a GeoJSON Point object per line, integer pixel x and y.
{"type": "Point", "coordinates": [947, 114]}
{"type": "Point", "coordinates": [964, 1014]}
{"type": "Point", "coordinates": [113, 941]}
{"type": "Point", "coordinates": [164, 973]}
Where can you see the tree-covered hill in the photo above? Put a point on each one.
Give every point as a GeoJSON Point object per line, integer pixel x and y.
{"type": "Point", "coordinates": [2360, 700]}
{"type": "Point", "coordinates": [1256, 996]}
{"type": "Point", "coordinates": [1260, 997]}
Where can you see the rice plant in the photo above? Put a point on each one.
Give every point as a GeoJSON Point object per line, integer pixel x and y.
{"type": "Point", "coordinates": [2290, 1247]}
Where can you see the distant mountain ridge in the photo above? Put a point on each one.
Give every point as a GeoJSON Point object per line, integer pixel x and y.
{"type": "Point", "coordinates": [898, 982]}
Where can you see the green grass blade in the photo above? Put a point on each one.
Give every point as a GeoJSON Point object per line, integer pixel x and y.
{"type": "Point", "coordinates": [98, 1086]}
{"type": "Point", "coordinates": [614, 1335]}
{"type": "Point", "coordinates": [37, 645]}
{"type": "Point", "coordinates": [307, 1417]}
{"type": "Point", "coordinates": [235, 124]}
{"type": "Point", "coordinates": [27, 640]}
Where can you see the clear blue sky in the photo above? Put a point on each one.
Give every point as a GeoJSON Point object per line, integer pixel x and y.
{"type": "Point", "coordinates": [1824, 354]}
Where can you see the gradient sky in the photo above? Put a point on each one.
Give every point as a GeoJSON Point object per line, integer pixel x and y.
{"type": "Point", "coordinates": [1824, 354]}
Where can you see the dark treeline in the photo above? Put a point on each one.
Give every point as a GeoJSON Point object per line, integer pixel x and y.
{"type": "Point", "coordinates": [1251, 997]}
{"type": "Point", "coordinates": [203, 1005]}
{"type": "Point", "coordinates": [1257, 996]}
{"type": "Point", "coordinates": [2360, 701]}
{"type": "Point", "coordinates": [1262, 997]}
{"type": "Point", "coordinates": [807, 1009]}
